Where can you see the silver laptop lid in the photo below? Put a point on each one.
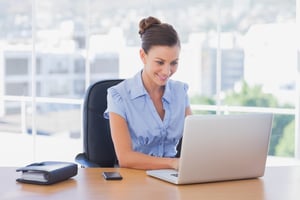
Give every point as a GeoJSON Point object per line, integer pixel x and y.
{"type": "Point", "coordinates": [224, 147]}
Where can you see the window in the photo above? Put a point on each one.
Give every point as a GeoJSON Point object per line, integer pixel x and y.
{"type": "Point", "coordinates": [16, 66]}
{"type": "Point", "coordinates": [18, 89]}
{"type": "Point", "coordinates": [108, 63]}
{"type": "Point", "coordinates": [236, 56]}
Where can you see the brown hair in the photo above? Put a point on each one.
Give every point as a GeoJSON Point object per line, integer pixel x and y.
{"type": "Point", "coordinates": [153, 32]}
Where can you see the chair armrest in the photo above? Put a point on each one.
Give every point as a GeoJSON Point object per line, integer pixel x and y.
{"type": "Point", "coordinates": [84, 162]}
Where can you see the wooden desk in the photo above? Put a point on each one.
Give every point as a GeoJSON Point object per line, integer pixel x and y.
{"type": "Point", "coordinates": [278, 183]}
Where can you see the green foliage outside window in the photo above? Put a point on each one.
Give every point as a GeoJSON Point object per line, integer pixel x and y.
{"type": "Point", "coordinates": [286, 144]}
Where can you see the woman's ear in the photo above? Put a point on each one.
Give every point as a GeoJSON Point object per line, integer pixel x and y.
{"type": "Point", "coordinates": [143, 56]}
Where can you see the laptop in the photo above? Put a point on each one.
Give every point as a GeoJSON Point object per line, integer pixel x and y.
{"type": "Point", "coordinates": [220, 148]}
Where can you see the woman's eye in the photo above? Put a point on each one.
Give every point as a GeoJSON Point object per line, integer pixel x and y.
{"type": "Point", "coordinates": [160, 62]}
{"type": "Point", "coordinates": [174, 63]}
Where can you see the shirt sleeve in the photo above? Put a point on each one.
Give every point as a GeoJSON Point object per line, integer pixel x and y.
{"type": "Point", "coordinates": [114, 103]}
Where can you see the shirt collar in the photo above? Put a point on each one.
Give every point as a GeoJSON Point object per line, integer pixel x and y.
{"type": "Point", "coordinates": [167, 95]}
{"type": "Point", "coordinates": [138, 89]}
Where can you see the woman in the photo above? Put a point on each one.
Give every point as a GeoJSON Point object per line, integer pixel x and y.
{"type": "Point", "coordinates": [146, 112]}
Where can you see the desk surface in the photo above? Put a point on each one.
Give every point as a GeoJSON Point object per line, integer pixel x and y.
{"type": "Point", "coordinates": [277, 183]}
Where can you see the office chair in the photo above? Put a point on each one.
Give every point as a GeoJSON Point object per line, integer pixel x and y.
{"type": "Point", "coordinates": [97, 143]}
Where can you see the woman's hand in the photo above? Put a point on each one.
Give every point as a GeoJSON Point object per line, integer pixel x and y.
{"type": "Point", "coordinates": [175, 163]}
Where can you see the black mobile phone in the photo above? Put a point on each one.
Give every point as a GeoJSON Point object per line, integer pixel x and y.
{"type": "Point", "coordinates": [112, 176]}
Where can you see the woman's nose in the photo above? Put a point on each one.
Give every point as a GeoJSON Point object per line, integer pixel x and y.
{"type": "Point", "coordinates": [167, 70]}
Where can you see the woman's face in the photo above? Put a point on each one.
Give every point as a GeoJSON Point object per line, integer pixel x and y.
{"type": "Point", "coordinates": [160, 63]}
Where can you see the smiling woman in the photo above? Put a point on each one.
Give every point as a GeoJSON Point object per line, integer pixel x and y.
{"type": "Point", "coordinates": [146, 112]}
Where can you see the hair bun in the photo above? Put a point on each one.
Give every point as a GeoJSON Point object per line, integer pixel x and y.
{"type": "Point", "coordinates": [147, 23]}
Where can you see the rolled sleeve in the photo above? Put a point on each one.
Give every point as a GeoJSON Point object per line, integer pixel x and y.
{"type": "Point", "coordinates": [114, 103]}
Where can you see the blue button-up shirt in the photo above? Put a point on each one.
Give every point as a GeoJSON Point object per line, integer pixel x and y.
{"type": "Point", "coordinates": [149, 133]}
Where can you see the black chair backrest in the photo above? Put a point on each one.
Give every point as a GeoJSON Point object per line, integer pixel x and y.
{"type": "Point", "coordinates": [98, 145]}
